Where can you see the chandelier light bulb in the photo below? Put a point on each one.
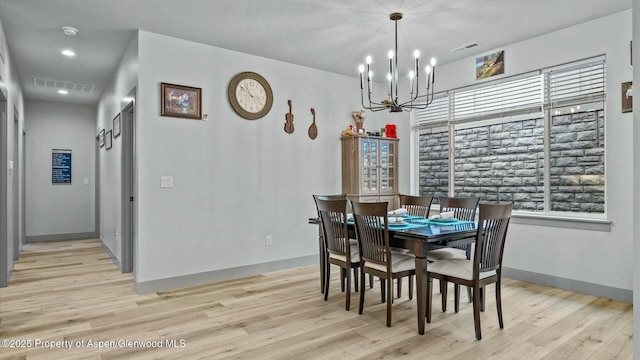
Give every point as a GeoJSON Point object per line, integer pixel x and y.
{"type": "Point", "coordinates": [361, 68]}
{"type": "Point", "coordinates": [411, 75]}
{"type": "Point", "coordinates": [370, 74]}
{"type": "Point", "coordinates": [428, 69]}
{"type": "Point", "coordinates": [368, 60]}
{"type": "Point", "coordinates": [416, 54]}
{"type": "Point", "coordinates": [433, 61]}
{"type": "Point", "coordinates": [390, 54]}
{"type": "Point", "coordinates": [389, 77]}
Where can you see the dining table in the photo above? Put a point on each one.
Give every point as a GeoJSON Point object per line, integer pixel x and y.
{"type": "Point", "coordinates": [419, 235]}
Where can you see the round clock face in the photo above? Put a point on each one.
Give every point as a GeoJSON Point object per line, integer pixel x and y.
{"type": "Point", "coordinates": [250, 95]}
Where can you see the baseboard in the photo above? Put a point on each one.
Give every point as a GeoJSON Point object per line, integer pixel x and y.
{"type": "Point", "coordinates": [113, 256]}
{"type": "Point", "coordinates": [61, 237]}
{"type": "Point", "coordinates": [582, 287]}
{"type": "Point", "coordinates": [223, 274]}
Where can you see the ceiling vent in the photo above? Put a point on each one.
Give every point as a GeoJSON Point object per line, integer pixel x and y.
{"type": "Point", "coordinates": [55, 84]}
{"type": "Point", "coordinates": [465, 47]}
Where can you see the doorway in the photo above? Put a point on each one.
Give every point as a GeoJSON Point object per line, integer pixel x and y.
{"type": "Point", "coordinates": [127, 163]}
{"type": "Point", "coordinates": [16, 194]}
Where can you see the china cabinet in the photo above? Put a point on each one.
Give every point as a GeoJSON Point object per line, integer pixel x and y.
{"type": "Point", "coordinates": [370, 169]}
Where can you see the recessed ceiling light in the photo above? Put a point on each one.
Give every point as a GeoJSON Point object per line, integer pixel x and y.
{"type": "Point", "coordinates": [63, 92]}
{"type": "Point", "coordinates": [68, 53]}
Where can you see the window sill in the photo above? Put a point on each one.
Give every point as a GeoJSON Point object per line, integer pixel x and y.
{"type": "Point", "coordinates": [562, 221]}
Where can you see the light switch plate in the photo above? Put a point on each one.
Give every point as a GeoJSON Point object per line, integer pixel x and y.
{"type": "Point", "coordinates": [166, 181]}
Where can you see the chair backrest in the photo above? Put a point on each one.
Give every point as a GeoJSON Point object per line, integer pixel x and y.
{"type": "Point", "coordinates": [416, 205]}
{"type": "Point", "coordinates": [464, 208]}
{"type": "Point", "coordinates": [372, 232]}
{"type": "Point", "coordinates": [333, 217]}
{"type": "Point", "coordinates": [328, 197]}
{"type": "Point", "coordinates": [492, 233]}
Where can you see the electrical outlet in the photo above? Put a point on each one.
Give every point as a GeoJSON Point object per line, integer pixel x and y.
{"type": "Point", "coordinates": [269, 241]}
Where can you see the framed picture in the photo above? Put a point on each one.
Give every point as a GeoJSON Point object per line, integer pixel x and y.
{"type": "Point", "coordinates": [490, 65]}
{"type": "Point", "coordinates": [101, 138]}
{"type": "Point", "coordinates": [181, 101]}
{"type": "Point", "coordinates": [116, 126]}
{"type": "Point", "coordinates": [627, 97]}
{"type": "Point", "coordinates": [108, 139]}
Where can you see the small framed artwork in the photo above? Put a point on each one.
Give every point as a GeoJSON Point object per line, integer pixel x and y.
{"type": "Point", "coordinates": [490, 65]}
{"type": "Point", "coordinates": [627, 97]}
{"type": "Point", "coordinates": [181, 101]}
{"type": "Point", "coordinates": [108, 139]}
{"type": "Point", "coordinates": [101, 138]}
{"type": "Point", "coordinates": [116, 126]}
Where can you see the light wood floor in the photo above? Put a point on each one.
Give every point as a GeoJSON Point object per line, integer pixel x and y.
{"type": "Point", "coordinates": [71, 291]}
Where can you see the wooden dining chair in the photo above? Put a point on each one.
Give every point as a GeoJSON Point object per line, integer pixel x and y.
{"type": "Point", "coordinates": [321, 246]}
{"type": "Point", "coordinates": [416, 206]}
{"type": "Point", "coordinates": [323, 250]}
{"type": "Point", "coordinates": [464, 209]}
{"type": "Point", "coordinates": [376, 259]}
{"type": "Point", "coordinates": [339, 250]}
{"type": "Point", "coordinates": [486, 265]}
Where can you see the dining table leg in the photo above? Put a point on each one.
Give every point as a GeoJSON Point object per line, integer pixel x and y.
{"type": "Point", "coordinates": [421, 284]}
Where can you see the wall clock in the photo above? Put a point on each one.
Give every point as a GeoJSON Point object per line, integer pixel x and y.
{"type": "Point", "coordinates": [250, 95]}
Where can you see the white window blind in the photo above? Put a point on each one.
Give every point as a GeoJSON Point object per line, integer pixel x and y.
{"type": "Point", "coordinates": [503, 99]}
{"type": "Point", "coordinates": [437, 112]}
{"type": "Point", "coordinates": [576, 84]}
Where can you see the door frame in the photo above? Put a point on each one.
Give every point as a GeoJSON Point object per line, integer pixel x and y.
{"type": "Point", "coordinates": [127, 191]}
{"type": "Point", "coordinates": [4, 150]}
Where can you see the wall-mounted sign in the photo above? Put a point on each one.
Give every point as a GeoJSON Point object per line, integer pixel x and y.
{"type": "Point", "coordinates": [60, 166]}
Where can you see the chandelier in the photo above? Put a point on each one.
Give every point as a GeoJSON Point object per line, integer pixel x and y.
{"type": "Point", "coordinates": [415, 101]}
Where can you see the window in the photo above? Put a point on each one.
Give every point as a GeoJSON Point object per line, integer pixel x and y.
{"type": "Point", "coordinates": [536, 140]}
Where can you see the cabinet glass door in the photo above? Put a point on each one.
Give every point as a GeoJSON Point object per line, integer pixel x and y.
{"type": "Point", "coordinates": [387, 166]}
{"type": "Point", "coordinates": [369, 166]}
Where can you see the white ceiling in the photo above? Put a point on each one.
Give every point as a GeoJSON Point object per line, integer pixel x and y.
{"type": "Point", "coordinates": [331, 35]}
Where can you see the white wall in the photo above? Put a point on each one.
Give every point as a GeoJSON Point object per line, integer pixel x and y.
{"type": "Point", "coordinates": [110, 104]}
{"type": "Point", "coordinates": [636, 185]}
{"type": "Point", "coordinates": [235, 181]}
{"type": "Point", "coordinates": [54, 209]}
{"type": "Point", "coordinates": [10, 86]}
{"type": "Point", "coordinates": [603, 258]}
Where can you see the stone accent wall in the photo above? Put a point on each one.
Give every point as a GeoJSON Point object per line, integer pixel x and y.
{"type": "Point", "coordinates": [577, 162]}
{"type": "Point", "coordinates": [505, 163]}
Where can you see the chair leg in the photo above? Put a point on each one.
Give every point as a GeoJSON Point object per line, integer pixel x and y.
{"type": "Point", "coordinates": [399, 287]}
{"type": "Point", "coordinates": [348, 296]}
{"type": "Point", "coordinates": [362, 284]}
{"type": "Point", "coordinates": [456, 297]}
{"type": "Point", "coordinates": [499, 304]}
{"type": "Point", "coordinates": [476, 311]}
{"type": "Point", "coordinates": [389, 300]}
{"type": "Point", "coordinates": [355, 276]}
{"type": "Point", "coordinates": [343, 276]}
{"type": "Point", "coordinates": [327, 278]}
{"type": "Point", "coordinates": [482, 299]}
{"type": "Point", "coordinates": [429, 298]}
{"type": "Point", "coordinates": [443, 291]}
{"type": "Point", "coordinates": [410, 287]}
{"type": "Point", "coordinates": [370, 281]}
{"type": "Point", "coordinates": [383, 289]}
{"type": "Point", "coordinates": [469, 294]}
